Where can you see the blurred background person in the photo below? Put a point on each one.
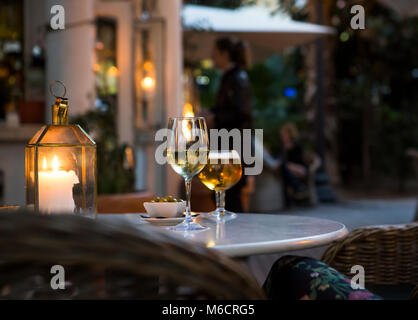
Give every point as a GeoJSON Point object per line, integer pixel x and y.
{"type": "Point", "coordinates": [293, 168]}
{"type": "Point", "coordinates": [233, 107]}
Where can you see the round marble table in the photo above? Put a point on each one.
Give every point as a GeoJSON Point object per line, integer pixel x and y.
{"type": "Point", "coordinates": [251, 234]}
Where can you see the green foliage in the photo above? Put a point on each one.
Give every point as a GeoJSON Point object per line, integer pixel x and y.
{"type": "Point", "coordinates": [112, 176]}
{"type": "Point", "coordinates": [375, 81]}
{"type": "Point", "coordinates": [269, 80]}
{"type": "Point", "coordinates": [207, 93]}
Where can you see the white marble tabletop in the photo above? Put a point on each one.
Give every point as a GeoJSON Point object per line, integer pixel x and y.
{"type": "Point", "coordinates": [251, 234]}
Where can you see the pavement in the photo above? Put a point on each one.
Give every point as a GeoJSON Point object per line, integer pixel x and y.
{"type": "Point", "coordinates": [352, 213]}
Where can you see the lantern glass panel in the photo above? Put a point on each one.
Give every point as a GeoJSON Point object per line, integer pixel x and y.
{"type": "Point", "coordinates": [61, 171]}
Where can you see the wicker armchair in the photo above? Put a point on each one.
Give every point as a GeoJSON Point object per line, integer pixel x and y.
{"type": "Point", "coordinates": [103, 261]}
{"type": "Point", "coordinates": [389, 255]}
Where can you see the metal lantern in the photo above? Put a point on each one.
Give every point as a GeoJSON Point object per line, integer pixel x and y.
{"type": "Point", "coordinates": [61, 166]}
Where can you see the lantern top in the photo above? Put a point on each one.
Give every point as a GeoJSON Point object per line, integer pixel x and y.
{"type": "Point", "coordinates": [56, 135]}
{"type": "Point", "coordinates": [60, 108]}
{"type": "Point", "coordinates": [60, 132]}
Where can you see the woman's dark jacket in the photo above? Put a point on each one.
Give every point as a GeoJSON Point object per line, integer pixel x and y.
{"type": "Point", "coordinates": [233, 102]}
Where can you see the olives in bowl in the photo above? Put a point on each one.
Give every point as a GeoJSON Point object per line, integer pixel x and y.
{"type": "Point", "coordinates": [166, 199]}
{"type": "Point", "coordinates": [166, 207]}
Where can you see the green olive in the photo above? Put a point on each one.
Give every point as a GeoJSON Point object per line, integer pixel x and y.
{"type": "Point", "coordinates": [166, 199]}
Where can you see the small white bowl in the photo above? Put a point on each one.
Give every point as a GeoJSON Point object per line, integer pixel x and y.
{"type": "Point", "coordinates": [165, 209]}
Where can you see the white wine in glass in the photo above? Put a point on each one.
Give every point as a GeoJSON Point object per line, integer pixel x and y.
{"type": "Point", "coordinates": [222, 172]}
{"type": "Point", "coordinates": [187, 154]}
{"type": "Point", "coordinates": [187, 163]}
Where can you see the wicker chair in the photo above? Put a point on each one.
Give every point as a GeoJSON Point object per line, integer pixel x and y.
{"type": "Point", "coordinates": [111, 262]}
{"type": "Point", "coordinates": [389, 255]}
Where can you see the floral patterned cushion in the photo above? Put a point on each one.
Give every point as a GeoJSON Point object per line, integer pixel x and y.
{"type": "Point", "coordinates": [293, 277]}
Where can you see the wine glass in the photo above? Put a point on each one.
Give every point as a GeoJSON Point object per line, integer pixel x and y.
{"type": "Point", "coordinates": [187, 153]}
{"type": "Point", "coordinates": [221, 173]}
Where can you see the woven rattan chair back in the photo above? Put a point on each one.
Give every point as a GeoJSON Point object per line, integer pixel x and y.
{"type": "Point", "coordinates": [111, 262]}
{"type": "Point", "coordinates": [389, 254]}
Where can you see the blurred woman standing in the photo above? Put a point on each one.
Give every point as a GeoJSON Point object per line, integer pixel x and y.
{"type": "Point", "coordinates": [233, 108]}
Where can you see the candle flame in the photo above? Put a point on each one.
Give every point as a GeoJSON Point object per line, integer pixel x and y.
{"type": "Point", "coordinates": [55, 164]}
{"type": "Point", "coordinates": [44, 164]}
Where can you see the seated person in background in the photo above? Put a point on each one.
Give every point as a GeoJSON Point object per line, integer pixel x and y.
{"type": "Point", "coordinates": [292, 167]}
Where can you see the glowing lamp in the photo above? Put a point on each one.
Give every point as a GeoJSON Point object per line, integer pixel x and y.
{"type": "Point", "coordinates": [61, 166]}
{"type": "Point", "coordinates": [188, 110]}
{"type": "Point", "coordinates": [147, 83]}
{"type": "Point", "coordinates": [187, 113]}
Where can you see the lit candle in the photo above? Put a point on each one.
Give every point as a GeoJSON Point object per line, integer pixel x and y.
{"type": "Point", "coordinates": [56, 189]}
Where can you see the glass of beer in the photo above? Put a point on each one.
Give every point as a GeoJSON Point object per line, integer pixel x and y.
{"type": "Point", "coordinates": [187, 154]}
{"type": "Point", "coordinates": [221, 173]}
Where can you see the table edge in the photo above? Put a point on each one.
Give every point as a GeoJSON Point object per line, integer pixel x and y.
{"type": "Point", "coordinates": [271, 247]}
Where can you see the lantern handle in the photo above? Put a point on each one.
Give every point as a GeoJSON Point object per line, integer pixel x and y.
{"type": "Point", "coordinates": [62, 84]}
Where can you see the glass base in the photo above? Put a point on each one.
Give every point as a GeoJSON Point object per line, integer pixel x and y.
{"type": "Point", "coordinates": [188, 225]}
{"type": "Point", "coordinates": [219, 215]}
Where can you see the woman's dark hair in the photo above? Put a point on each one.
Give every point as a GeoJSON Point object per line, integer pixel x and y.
{"type": "Point", "coordinates": [237, 50]}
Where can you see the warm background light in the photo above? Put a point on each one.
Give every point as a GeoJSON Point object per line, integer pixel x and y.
{"type": "Point", "coordinates": [112, 71]}
{"type": "Point", "coordinates": [188, 110]}
{"type": "Point", "coordinates": [147, 83]}
{"type": "Point", "coordinates": [96, 67]}
{"type": "Point", "coordinates": [148, 66]}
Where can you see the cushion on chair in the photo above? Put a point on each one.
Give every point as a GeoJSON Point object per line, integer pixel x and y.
{"type": "Point", "coordinates": [303, 278]}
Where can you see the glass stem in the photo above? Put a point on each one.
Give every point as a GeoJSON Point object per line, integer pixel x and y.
{"type": "Point", "coordinates": [188, 194]}
{"type": "Point", "coordinates": [220, 201]}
